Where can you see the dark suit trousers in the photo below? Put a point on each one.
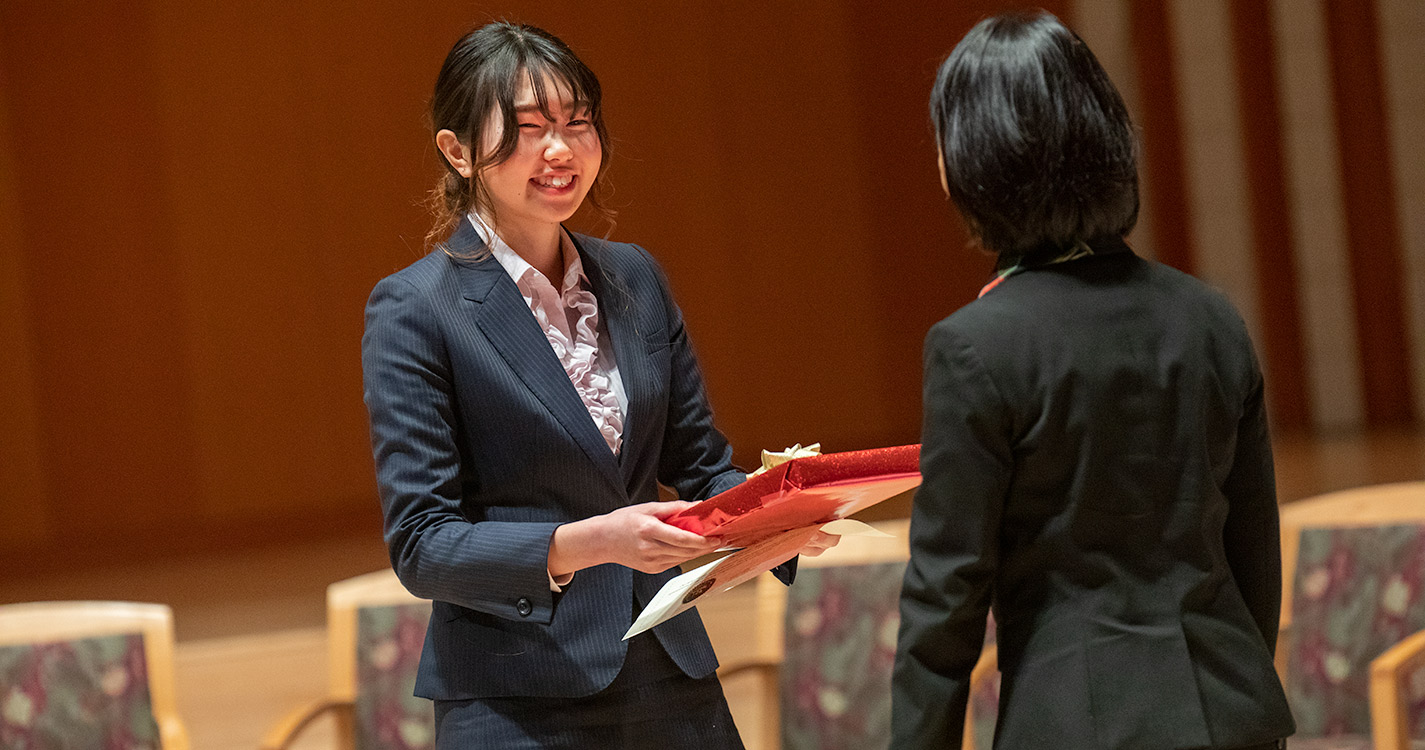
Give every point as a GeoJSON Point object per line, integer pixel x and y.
{"type": "Point", "coordinates": [651, 705]}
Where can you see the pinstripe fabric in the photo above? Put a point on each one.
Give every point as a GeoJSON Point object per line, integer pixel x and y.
{"type": "Point", "coordinates": [483, 447]}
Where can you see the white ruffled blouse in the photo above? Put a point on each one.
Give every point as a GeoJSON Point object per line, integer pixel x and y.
{"type": "Point", "coordinates": [569, 317]}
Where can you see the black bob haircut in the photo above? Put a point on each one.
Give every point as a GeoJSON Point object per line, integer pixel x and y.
{"type": "Point", "coordinates": [1037, 147]}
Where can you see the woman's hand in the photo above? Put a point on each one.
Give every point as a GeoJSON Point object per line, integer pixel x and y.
{"type": "Point", "coordinates": [819, 544]}
{"type": "Point", "coordinates": [634, 536]}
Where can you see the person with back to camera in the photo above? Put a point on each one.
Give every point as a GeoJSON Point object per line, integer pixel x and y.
{"type": "Point", "coordinates": [528, 388]}
{"type": "Point", "coordinates": [1095, 453]}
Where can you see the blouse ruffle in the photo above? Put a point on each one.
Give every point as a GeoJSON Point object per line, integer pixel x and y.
{"type": "Point", "coordinates": [569, 317]}
{"type": "Point", "coordinates": [577, 347]}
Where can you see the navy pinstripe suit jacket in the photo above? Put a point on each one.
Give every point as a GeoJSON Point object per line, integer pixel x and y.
{"type": "Point", "coordinates": [483, 447]}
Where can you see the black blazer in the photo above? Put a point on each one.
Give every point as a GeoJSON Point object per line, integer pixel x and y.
{"type": "Point", "coordinates": [483, 447]}
{"type": "Point", "coordinates": [1096, 464]}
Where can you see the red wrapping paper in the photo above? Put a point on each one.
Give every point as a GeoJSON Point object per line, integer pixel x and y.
{"type": "Point", "coordinates": [803, 492]}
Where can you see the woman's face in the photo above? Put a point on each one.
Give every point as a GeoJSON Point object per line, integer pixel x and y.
{"type": "Point", "coordinates": [552, 168]}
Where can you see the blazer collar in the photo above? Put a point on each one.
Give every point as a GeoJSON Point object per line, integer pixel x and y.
{"type": "Point", "coordinates": [477, 277]}
{"type": "Point", "coordinates": [617, 308]}
{"type": "Point", "coordinates": [503, 316]}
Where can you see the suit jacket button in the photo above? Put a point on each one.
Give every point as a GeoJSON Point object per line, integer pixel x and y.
{"type": "Point", "coordinates": [524, 607]}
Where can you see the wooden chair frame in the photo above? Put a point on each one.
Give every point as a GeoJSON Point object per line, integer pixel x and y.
{"type": "Point", "coordinates": [344, 599]}
{"type": "Point", "coordinates": [987, 666]}
{"type": "Point", "coordinates": [1390, 705]}
{"type": "Point", "coordinates": [46, 622]}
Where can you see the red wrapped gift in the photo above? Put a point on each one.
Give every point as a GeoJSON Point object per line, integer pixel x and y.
{"type": "Point", "coordinates": [803, 492]}
{"type": "Point", "coordinates": [774, 514]}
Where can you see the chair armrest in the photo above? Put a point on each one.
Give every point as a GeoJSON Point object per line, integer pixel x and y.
{"type": "Point", "coordinates": [1282, 657]}
{"type": "Point", "coordinates": [285, 731]}
{"type": "Point", "coordinates": [173, 735]}
{"type": "Point", "coordinates": [987, 665]}
{"type": "Point", "coordinates": [748, 665]}
{"type": "Point", "coordinates": [1390, 701]}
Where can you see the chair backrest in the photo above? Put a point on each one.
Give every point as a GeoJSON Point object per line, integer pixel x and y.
{"type": "Point", "coordinates": [1372, 505]}
{"type": "Point", "coordinates": [88, 674]}
{"type": "Point", "coordinates": [1358, 590]}
{"type": "Point", "coordinates": [841, 627]}
{"type": "Point", "coordinates": [841, 622]}
{"type": "Point", "coordinates": [375, 631]}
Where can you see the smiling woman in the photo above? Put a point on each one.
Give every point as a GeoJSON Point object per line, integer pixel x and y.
{"type": "Point", "coordinates": [495, 86]}
{"type": "Point", "coordinates": [526, 508]}
{"type": "Point", "coordinates": [556, 159]}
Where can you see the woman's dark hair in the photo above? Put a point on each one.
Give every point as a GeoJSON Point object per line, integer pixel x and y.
{"type": "Point", "coordinates": [1038, 149]}
{"type": "Point", "coordinates": [482, 75]}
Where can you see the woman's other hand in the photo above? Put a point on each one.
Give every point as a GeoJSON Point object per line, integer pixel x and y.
{"type": "Point", "coordinates": [819, 544]}
{"type": "Point", "coordinates": [634, 536]}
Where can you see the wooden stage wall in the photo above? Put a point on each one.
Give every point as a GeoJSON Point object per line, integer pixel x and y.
{"type": "Point", "coordinates": [195, 200]}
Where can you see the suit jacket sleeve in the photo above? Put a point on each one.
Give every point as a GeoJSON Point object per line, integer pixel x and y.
{"type": "Point", "coordinates": [1252, 534]}
{"type": "Point", "coordinates": [696, 459]}
{"type": "Point", "coordinates": [966, 464]}
{"type": "Point", "coordinates": [487, 566]}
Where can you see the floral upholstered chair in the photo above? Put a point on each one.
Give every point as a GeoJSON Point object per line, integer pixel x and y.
{"type": "Point", "coordinates": [375, 630]}
{"type": "Point", "coordinates": [826, 647]}
{"type": "Point", "coordinates": [88, 674]}
{"type": "Point", "coordinates": [841, 631]}
{"type": "Point", "coordinates": [1358, 591]}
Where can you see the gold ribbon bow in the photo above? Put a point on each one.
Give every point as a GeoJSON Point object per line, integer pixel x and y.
{"type": "Point", "coordinates": [773, 459]}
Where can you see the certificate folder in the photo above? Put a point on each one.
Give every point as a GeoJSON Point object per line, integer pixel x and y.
{"type": "Point", "coordinates": [803, 492]}
{"type": "Point", "coordinates": [774, 514]}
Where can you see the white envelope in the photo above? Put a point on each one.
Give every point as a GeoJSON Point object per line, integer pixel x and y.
{"type": "Point", "coordinates": [722, 574]}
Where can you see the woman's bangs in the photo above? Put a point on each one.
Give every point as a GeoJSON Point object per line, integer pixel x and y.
{"type": "Point", "coordinates": [569, 83]}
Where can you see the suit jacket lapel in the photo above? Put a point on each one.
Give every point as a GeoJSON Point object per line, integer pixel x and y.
{"type": "Point", "coordinates": [505, 319]}
{"type": "Point", "coordinates": [617, 312]}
